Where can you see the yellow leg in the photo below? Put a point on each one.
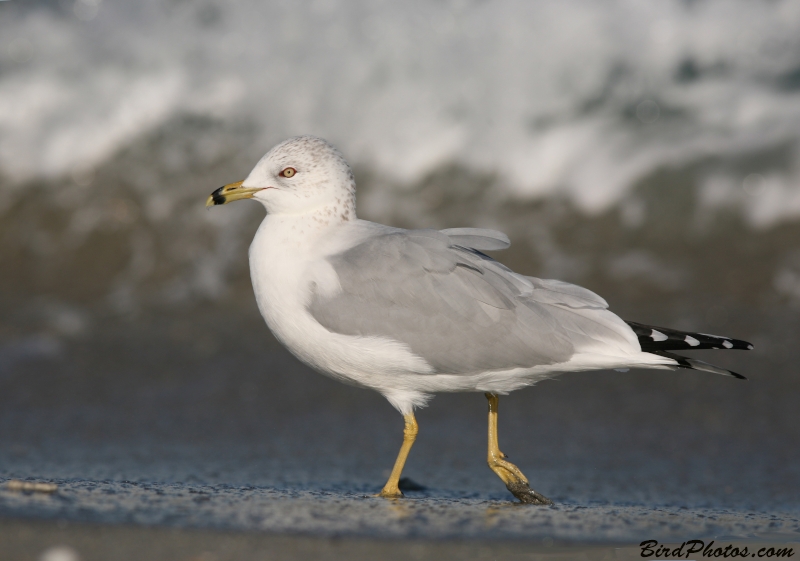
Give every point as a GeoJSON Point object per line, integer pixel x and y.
{"type": "Point", "coordinates": [391, 490]}
{"type": "Point", "coordinates": [515, 480]}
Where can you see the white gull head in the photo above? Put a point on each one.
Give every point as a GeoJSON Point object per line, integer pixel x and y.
{"type": "Point", "coordinates": [304, 174]}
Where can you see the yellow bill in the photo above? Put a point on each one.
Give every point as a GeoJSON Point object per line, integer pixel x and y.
{"type": "Point", "coordinates": [231, 192]}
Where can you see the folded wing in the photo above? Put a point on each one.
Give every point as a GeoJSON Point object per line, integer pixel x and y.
{"type": "Point", "coordinates": [460, 310]}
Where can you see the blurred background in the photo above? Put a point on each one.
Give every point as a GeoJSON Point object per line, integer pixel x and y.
{"type": "Point", "coordinates": [647, 151]}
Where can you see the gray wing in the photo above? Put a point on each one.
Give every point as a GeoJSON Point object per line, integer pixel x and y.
{"type": "Point", "coordinates": [456, 307]}
{"type": "Point", "coordinates": [478, 238]}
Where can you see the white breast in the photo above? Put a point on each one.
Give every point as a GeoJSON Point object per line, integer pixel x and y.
{"type": "Point", "coordinates": [285, 266]}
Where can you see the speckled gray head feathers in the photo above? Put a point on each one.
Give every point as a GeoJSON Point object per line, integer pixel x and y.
{"type": "Point", "coordinates": [320, 178]}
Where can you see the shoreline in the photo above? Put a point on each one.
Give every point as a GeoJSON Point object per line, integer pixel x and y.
{"type": "Point", "coordinates": [31, 539]}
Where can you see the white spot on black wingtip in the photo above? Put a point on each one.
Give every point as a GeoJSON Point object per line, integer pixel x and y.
{"type": "Point", "coordinates": [658, 336]}
{"type": "Point", "coordinates": [691, 341]}
{"type": "Point", "coordinates": [750, 347]}
{"type": "Point", "coordinates": [727, 344]}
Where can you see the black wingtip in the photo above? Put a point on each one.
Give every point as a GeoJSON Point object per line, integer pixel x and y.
{"type": "Point", "coordinates": [694, 364]}
{"type": "Point", "coordinates": [653, 338]}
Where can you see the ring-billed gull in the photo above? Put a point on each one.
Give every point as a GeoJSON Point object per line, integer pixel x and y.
{"type": "Point", "coordinates": [410, 313]}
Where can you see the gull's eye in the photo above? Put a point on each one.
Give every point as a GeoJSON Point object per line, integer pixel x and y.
{"type": "Point", "coordinates": [288, 172]}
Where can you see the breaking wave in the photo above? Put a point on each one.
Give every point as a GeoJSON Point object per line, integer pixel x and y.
{"type": "Point", "coordinates": [117, 118]}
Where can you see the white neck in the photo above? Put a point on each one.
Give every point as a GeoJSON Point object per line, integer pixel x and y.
{"type": "Point", "coordinates": [293, 235]}
{"type": "Point", "coordinates": [287, 256]}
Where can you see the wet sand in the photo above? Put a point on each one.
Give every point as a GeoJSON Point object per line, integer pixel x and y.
{"type": "Point", "coordinates": [184, 436]}
{"type": "Point", "coordinates": [29, 540]}
{"type": "Point", "coordinates": [433, 514]}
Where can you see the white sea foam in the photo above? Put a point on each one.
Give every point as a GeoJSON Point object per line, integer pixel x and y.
{"type": "Point", "coordinates": [575, 97]}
